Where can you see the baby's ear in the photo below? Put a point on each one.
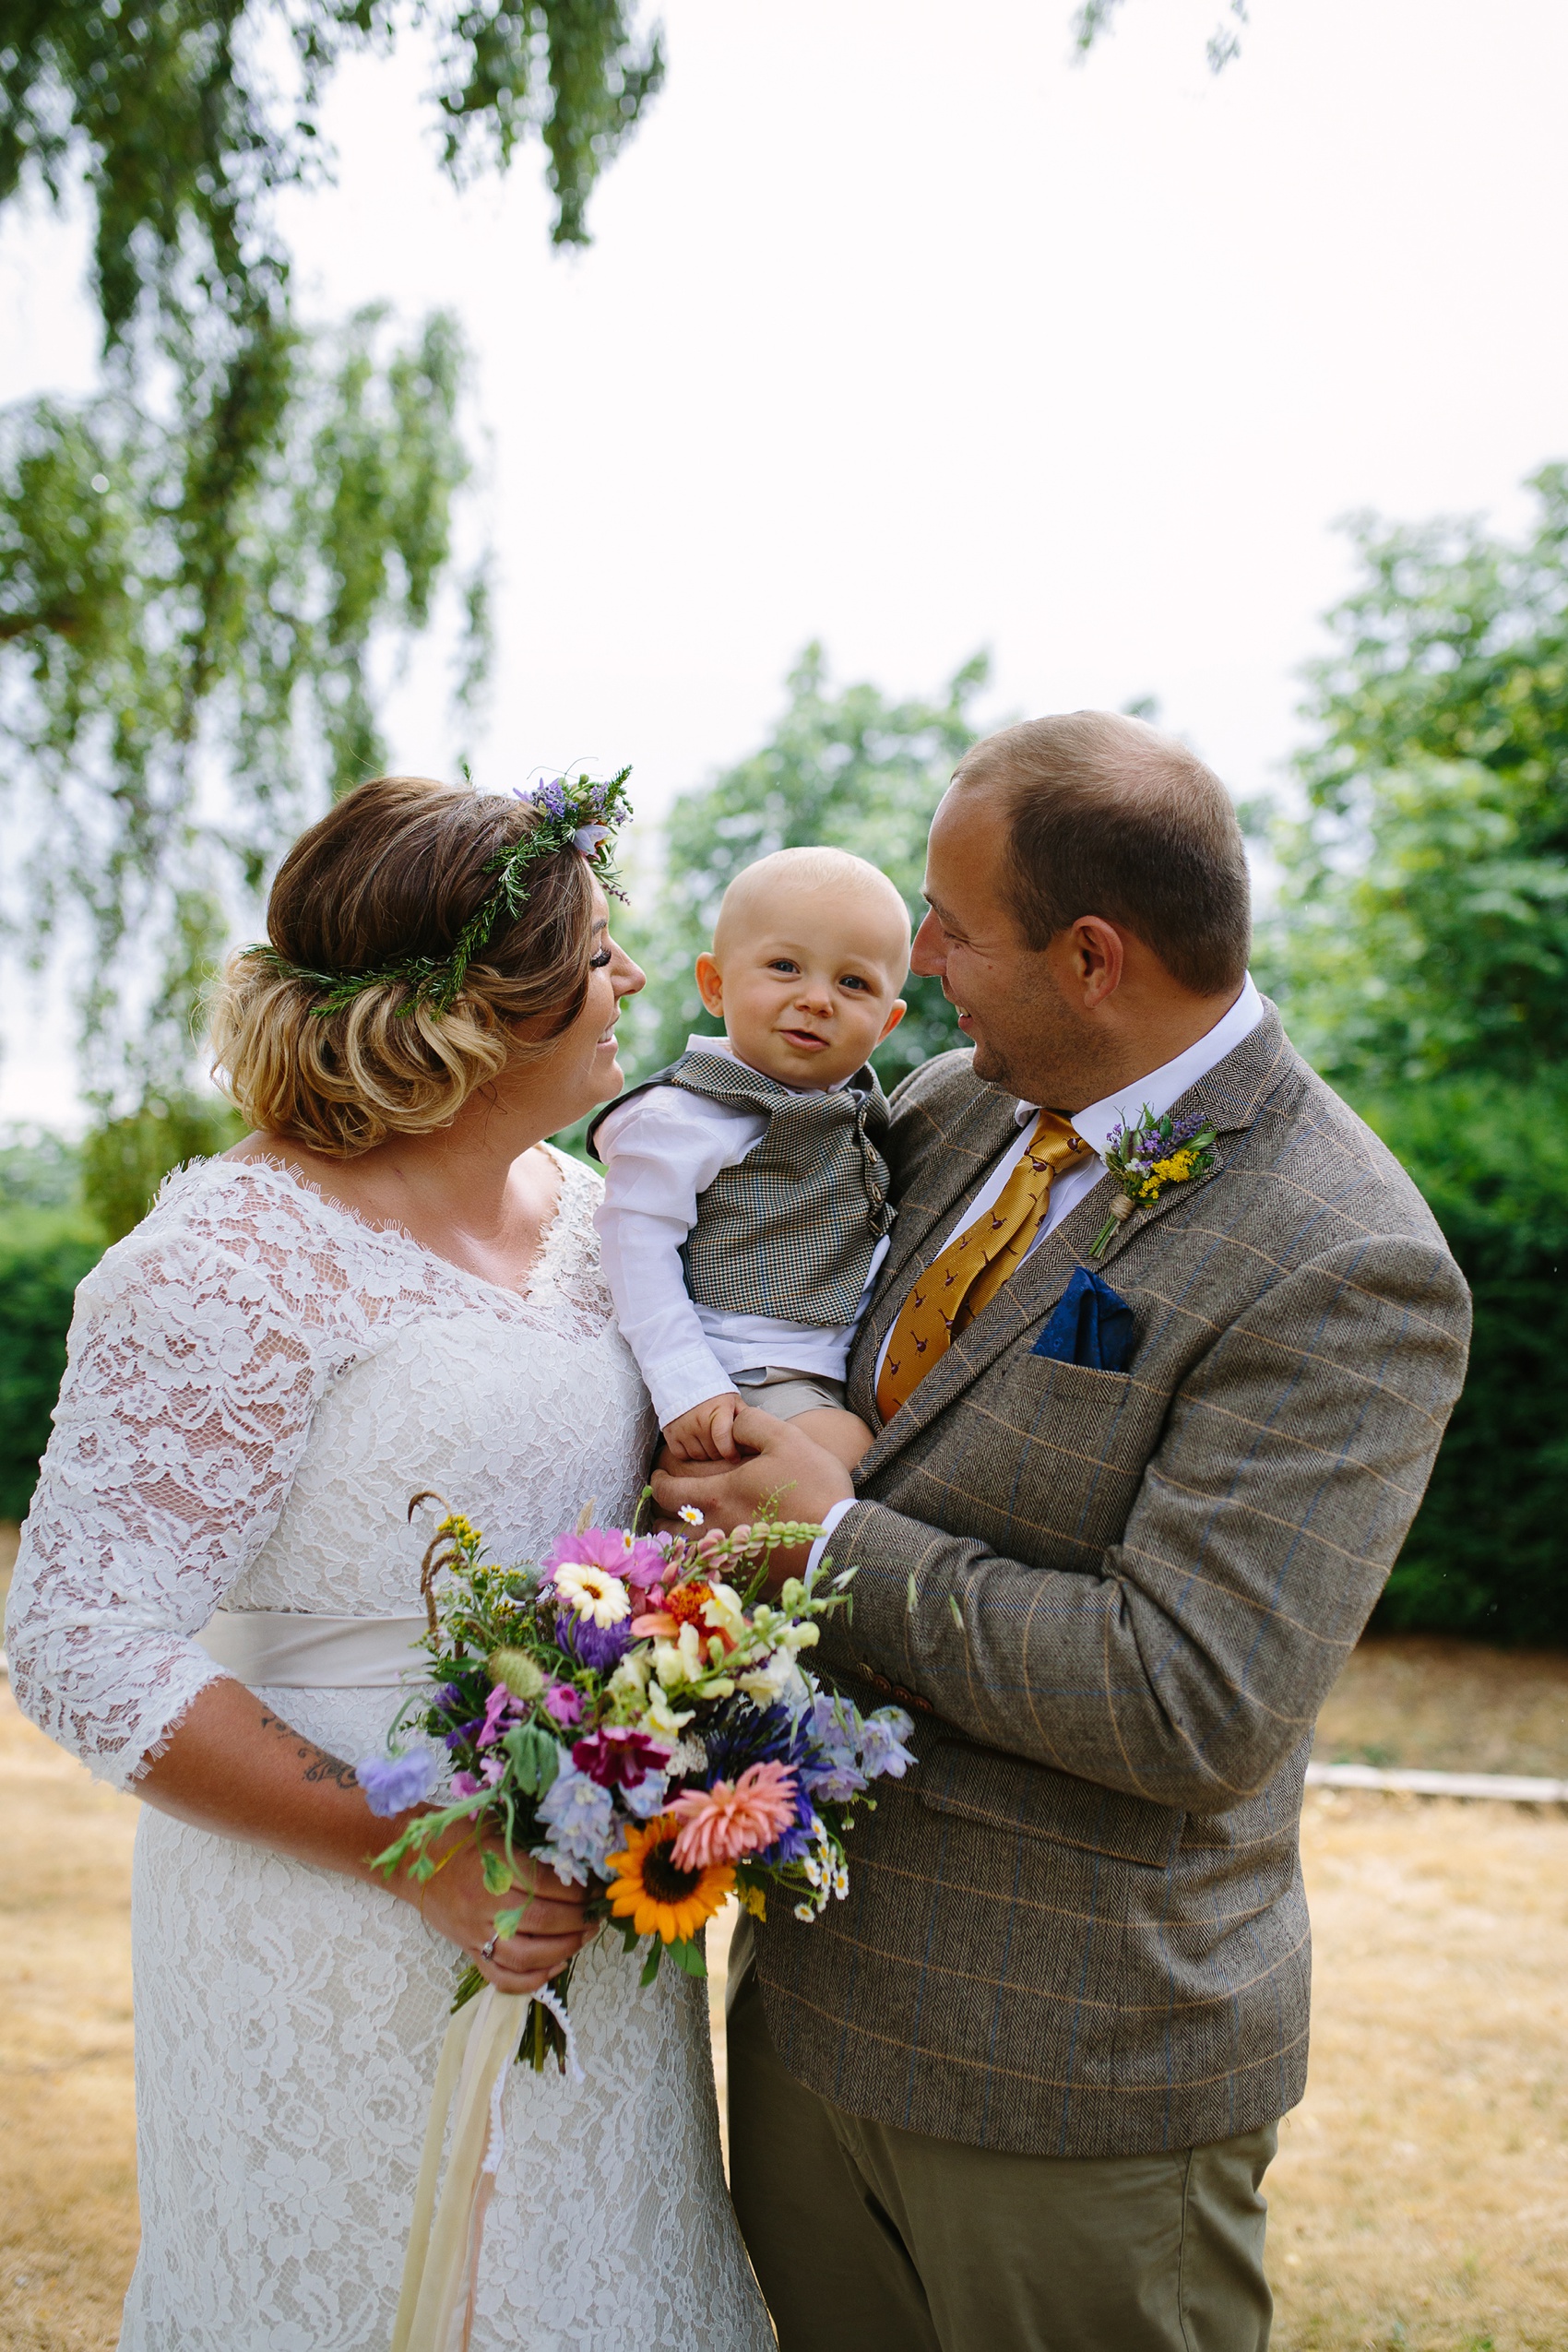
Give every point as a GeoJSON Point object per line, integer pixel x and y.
{"type": "Point", "coordinates": [895, 1013]}
{"type": "Point", "coordinates": [710, 985]}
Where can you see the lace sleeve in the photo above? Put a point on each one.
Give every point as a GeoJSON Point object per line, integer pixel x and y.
{"type": "Point", "coordinates": [194, 1371]}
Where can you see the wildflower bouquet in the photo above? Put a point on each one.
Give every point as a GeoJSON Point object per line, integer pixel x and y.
{"type": "Point", "coordinates": [634, 1713]}
{"type": "Point", "coordinates": [629, 1717]}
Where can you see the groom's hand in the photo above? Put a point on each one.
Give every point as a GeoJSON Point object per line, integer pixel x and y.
{"type": "Point", "coordinates": [781, 1466]}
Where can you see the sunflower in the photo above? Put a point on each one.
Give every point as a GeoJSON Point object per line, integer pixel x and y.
{"type": "Point", "coordinates": [654, 1894]}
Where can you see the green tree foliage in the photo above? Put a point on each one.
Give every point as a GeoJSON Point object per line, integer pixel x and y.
{"type": "Point", "coordinates": [1419, 951]}
{"type": "Point", "coordinates": [125, 682]}
{"type": "Point", "coordinates": [851, 770]}
{"type": "Point", "coordinates": [1095, 18]}
{"type": "Point", "coordinates": [241, 512]}
{"type": "Point", "coordinates": [126, 1160]}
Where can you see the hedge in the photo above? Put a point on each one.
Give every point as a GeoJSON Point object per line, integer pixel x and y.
{"type": "Point", "coordinates": [43, 1255]}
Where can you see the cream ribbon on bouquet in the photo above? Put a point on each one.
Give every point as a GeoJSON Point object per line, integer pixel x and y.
{"type": "Point", "coordinates": [435, 2309]}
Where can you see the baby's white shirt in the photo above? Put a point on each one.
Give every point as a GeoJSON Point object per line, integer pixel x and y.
{"type": "Point", "coordinates": [660, 1150]}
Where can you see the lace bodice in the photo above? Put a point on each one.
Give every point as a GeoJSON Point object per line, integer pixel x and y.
{"type": "Point", "coordinates": [258, 1382]}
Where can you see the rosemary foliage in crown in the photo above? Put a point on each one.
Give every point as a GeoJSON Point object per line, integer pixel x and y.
{"type": "Point", "coordinates": [570, 814]}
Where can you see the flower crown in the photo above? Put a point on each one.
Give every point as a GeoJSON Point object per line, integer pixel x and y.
{"type": "Point", "coordinates": [579, 814]}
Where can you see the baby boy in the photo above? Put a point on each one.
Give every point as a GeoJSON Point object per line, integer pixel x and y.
{"type": "Point", "coordinates": [746, 1205]}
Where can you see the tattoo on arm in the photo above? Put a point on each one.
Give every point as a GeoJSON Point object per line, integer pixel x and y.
{"type": "Point", "coordinates": [320, 1768]}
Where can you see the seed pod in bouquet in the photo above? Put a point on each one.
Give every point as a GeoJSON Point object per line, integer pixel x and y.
{"type": "Point", "coordinates": [521, 1674]}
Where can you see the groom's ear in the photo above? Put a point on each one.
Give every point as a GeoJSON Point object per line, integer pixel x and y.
{"type": "Point", "coordinates": [895, 1013]}
{"type": "Point", "coordinates": [711, 985]}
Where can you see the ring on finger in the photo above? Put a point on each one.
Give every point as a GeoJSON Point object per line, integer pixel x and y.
{"type": "Point", "coordinates": [487, 1950]}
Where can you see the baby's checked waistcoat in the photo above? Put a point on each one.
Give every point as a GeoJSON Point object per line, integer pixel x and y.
{"type": "Point", "coordinates": [790, 1233]}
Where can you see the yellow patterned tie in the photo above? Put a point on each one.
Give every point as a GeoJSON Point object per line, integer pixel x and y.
{"type": "Point", "coordinates": [974, 1266]}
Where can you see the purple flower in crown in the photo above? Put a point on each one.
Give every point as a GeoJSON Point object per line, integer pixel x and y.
{"type": "Point", "coordinates": [550, 798]}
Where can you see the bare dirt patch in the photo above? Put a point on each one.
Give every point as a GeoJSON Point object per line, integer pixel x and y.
{"type": "Point", "coordinates": [67, 2145]}
{"type": "Point", "coordinates": [1425, 1701]}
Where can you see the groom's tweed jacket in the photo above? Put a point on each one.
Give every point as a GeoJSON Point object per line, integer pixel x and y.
{"type": "Point", "coordinates": [1115, 1602]}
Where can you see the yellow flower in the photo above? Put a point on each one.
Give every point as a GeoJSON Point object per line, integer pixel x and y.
{"type": "Point", "coordinates": [461, 1531]}
{"type": "Point", "coordinates": [659, 1898]}
{"type": "Point", "coordinates": [751, 1899]}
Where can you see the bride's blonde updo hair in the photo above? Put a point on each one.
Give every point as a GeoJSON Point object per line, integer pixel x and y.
{"type": "Point", "coordinates": [392, 873]}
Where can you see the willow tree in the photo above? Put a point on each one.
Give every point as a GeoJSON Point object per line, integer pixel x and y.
{"type": "Point", "coordinates": [198, 563]}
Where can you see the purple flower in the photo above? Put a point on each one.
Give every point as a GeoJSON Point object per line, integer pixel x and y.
{"type": "Point", "coordinates": [465, 1784]}
{"type": "Point", "coordinates": [550, 798]}
{"type": "Point", "coordinates": [392, 1784]}
{"type": "Point", "coordinates": [580, 1818]}
{"type": "Point", "coordinates": [503, 1707]}
{"type": "Point", "coordinates": [599, 1648]}
{"type": "Point", "coordinates": [884, 1746]}
{"type": "Point", "coordinates": [565, 1704]}
{"type": "Point", "coordinates": [648, 1797]}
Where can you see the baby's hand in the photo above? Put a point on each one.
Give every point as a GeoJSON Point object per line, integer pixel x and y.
{"type": "Point", "coordinates": [702, 1434]}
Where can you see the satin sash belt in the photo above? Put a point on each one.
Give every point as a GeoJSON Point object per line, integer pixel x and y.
{"type": "Point", "coordinates": [287, 1649]}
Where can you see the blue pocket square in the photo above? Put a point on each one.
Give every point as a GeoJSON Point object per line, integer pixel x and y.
{"type": "Point", "coordinates": [1092, 1326]}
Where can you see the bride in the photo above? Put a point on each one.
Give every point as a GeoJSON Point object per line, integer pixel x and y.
{"type": "Point", "coordinates": [392, 1285]}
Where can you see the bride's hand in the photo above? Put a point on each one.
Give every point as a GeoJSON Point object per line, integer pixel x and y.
{"type": "Point", "coordinates": [456, 1902]}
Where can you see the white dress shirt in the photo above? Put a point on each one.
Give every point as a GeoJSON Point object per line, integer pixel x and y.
{"type": "Point", "coordinates": [1153, 1094]}
{"type": "Point", "coordinates": [660, 1150]}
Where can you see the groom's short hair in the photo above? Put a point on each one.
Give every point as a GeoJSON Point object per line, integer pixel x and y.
{"type": "Point", "coordinates": [1111, 817]}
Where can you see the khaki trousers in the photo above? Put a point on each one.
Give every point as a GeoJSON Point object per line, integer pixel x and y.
{"type": "Point", "coordinates": [870, 2239]}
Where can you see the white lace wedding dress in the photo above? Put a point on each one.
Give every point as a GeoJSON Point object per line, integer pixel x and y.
{"type": "Point", "coordinates": [258, 1382]}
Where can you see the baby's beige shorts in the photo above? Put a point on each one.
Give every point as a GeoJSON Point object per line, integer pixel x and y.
{"type": "Point", "coordinates": [777, 1390]}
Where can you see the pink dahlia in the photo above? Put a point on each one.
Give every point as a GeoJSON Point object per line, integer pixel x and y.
{"type": "Point", "coordinates": [729, 1821]}
{"type": "Point", "coordinates": [638, 1558]}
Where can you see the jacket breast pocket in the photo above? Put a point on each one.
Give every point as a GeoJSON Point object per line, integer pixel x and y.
{"type": "Point", "coordinates": [1016, 1799]}
{"type": "Point", "coordinates": [1069, 1444]}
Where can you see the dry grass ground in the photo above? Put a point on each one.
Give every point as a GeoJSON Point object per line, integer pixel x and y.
{"type": "Point", "coordinates": [1420, 2198]}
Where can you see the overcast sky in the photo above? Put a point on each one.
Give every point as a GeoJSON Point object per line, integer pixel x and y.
{"type": "Point", "coordinates": [900, 331]}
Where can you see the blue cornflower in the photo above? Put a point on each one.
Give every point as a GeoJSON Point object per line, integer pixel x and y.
{"type": "Point", "coordinates": [740, 1734]}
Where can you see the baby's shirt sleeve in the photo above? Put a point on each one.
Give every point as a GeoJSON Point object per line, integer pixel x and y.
{"type": "Point", "coordinates": [662, 1150]}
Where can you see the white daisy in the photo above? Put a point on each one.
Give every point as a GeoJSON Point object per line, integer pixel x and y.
{"type": "Point", "coordinates": [593, 1592]}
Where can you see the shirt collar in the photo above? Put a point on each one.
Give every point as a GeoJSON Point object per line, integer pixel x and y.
{"type": "Point", "coordinates": [721, 1045]}
{"type": "Point", "coordinates": [1165, 1085]}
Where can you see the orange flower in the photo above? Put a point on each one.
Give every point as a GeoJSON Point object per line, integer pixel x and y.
{"type": "Point", "coordinates": [657, 1897]}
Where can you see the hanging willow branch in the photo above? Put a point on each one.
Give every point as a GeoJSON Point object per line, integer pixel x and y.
{"type": "Point", "coordinates": [163, 735]}
{"type": "Point", "coordinates": [193, 566]}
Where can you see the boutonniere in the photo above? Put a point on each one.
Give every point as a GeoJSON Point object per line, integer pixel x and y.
{"type": "Point", "coordinates": [1145, 1159]}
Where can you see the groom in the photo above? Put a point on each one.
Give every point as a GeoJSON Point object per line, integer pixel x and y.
{"type": "Point", "coordinates": [1111, 1551]}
